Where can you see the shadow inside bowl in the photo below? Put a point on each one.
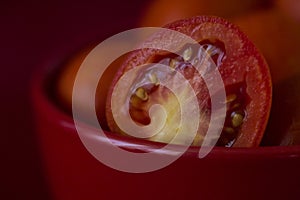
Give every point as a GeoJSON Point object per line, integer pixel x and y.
{"type": "Point", "coordinates": [74, 173]}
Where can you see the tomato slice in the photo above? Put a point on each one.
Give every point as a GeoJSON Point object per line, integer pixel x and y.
{"type": "Point", "coordinates": [243, 70]}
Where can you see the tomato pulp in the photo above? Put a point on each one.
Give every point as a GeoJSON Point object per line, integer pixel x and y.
{"type": "Point", "coordinates": [243, 69]}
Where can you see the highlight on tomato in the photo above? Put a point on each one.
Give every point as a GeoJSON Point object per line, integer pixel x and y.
{"type": "Point", "coordinates": [243, 69]}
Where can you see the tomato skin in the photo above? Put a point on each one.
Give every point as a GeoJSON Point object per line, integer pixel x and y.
{"type": "Point", "coordinates": [243, 63]}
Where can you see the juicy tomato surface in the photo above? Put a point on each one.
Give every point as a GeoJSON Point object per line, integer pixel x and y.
{"type": "Point", "coordinates": [274, 27]}
{"type": "Point", "coordinates": [263, 21]}
{"type": "Point", "coordinates": [275, 32]}
{"type": "Point", "coordinates": [243, 70]}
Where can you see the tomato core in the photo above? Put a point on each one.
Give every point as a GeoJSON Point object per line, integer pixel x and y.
{"type": "Point", "coordinates": [243, 69]}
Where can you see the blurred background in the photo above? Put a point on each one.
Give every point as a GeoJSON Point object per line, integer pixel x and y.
{"type": "Point", "coordinates": [34, 32]}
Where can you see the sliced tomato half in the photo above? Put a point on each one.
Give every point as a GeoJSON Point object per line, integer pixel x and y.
{"type": "Point", "coordinates": [243, 70]}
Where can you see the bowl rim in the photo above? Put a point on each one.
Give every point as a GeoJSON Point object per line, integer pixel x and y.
{"type": "Point", "coordinates": [44, 104]}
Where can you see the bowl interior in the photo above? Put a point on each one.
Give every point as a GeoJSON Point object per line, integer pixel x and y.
{"type": "Point", "coordinates": [44, 93]}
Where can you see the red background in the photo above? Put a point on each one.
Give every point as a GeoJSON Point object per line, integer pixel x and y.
{"type": "Point", "coordinates": [32, 32]}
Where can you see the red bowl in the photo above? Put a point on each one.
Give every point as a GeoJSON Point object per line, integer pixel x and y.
{"type": "Point", "coordinates": [225, 173]}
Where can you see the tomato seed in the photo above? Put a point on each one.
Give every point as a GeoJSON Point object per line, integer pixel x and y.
{"type": "Point", "coordinates": [231, 98]}
{"type": "Point", "coordinates": [229, 130]}
{"type": "Point", "coordinates": [187, 54]}
{"type": "Point", "coordinates": [237, 119]}
{"type": "Point", "coordinates": [173, 63]}
{"type": "Point", "coordinates": [153, 78]}
{"type": "Point", "coordinates": [142, 94]}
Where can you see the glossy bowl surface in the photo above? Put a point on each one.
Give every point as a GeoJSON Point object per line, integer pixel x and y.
{"type": "Point", "coordinates": [226, 173]}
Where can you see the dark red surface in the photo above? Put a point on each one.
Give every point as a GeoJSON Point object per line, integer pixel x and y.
{"type": "Point", "coordinates": [37, 32]}
{"type": "Point", "coordinates": [32, 32]}
{"type": "Point", "coordinates": [226, 173]}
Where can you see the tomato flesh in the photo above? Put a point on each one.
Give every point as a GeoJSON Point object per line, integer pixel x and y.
{"type": "Point", "coordinates": [244, 72]}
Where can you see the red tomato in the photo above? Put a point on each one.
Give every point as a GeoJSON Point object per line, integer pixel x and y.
{"type": "Point", "coordinates": [243, 69]}
{"type": "Point", "coordinates": [276, 33]}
